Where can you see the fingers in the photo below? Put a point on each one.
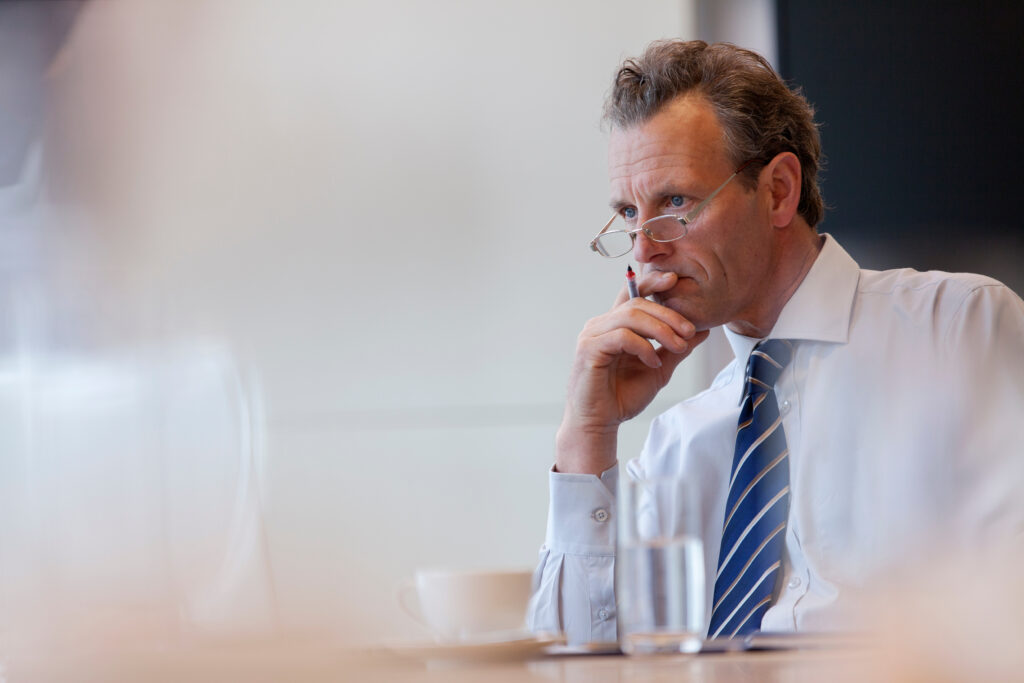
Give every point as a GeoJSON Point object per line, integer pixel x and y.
{"type": "Point", "coordinates": [653, 282]}
{"type": "Point", "coordinates": [601, 349]}
{"type": "Point", "coordinates": [671, 359]}
{"type": "Point", "coordinates": [631, 324]}
{"type": "Point", "coordinates": [647, 319]}
{"type": "Point", "coordinates": [618, 370]}
{"type": "Point", "coordinates": [605, 347]}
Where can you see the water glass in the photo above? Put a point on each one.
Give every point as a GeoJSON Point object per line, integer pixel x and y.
{"type": "Point", "coordinates": [659, 567]}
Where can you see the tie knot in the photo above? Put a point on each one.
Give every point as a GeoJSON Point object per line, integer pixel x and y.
{"type": "Point", "coordinates": [766, 363]}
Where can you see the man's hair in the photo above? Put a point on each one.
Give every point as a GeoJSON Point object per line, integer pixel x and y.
{"type": "Point", "coordinates": [760, 115]}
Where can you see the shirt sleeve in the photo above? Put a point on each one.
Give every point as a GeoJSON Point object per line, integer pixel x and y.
{"type": "Point", "coordinates": [574, 586]}
{"type": "Point", "coordinates": [985, 341]}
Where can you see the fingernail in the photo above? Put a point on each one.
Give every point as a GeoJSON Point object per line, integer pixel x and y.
{"type": "Point", "coordinates": [666, 275]}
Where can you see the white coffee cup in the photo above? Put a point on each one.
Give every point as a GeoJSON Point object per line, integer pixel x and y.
{"type": "Point", "coordinates": [463, 605]}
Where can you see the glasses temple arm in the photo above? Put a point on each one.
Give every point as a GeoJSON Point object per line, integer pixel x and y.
{"type": "Point", "coordinates": [608, 224]}
{"type": "Point", "coordinates": [688, 218]}
{"type": "Point", "coordinates": [593, 242]}
{"type": "Point", "coordinates": [693, 214]}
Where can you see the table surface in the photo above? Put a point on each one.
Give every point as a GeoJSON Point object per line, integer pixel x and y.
{"type": "Point", "coordinates": [708, 668]}
{"type": "Point", "coordinates": [314, 662]}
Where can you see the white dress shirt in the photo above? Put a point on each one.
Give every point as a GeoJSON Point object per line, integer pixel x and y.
{"type": "Point", "coordinates": [902, 409]}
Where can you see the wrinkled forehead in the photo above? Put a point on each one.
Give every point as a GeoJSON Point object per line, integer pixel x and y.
{"type": "Point", "coordinates": [685, 133]}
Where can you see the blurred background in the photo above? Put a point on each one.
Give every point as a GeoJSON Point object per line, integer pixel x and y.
{"type": "Point", "coordinates": [290, 290]}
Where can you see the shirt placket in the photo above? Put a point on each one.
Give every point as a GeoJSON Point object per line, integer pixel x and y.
{"type": "Point", "coordinates": [796, 580]}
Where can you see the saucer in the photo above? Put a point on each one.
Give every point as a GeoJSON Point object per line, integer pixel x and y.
{"type": "Point", "coordinates": [507, 645]}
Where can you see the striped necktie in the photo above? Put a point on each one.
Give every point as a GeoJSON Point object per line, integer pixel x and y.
{"type": "Point", "coordinates": [755, 513]}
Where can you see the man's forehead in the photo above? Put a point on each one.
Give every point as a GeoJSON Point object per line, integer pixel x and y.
{"type": "Point", "coordinates": [685, 132]}
{"type": "Point", "coordinates": [649, 158]}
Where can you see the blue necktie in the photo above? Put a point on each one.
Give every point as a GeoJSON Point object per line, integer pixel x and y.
{"type": "Point", "coordinates": [754, 530]}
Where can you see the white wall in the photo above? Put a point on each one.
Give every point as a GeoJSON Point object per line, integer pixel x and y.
{"type": "Point", "coordinates": [384, 209]}
{"type": "Point", "coordinates": [424, 325]}
{"type": "Point", "coordinates": [747, 23]}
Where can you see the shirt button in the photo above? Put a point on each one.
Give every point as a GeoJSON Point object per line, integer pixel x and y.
{"type": "Point", "coordinates": [603, 615]}
{"type": "Point", "coordinates": [601, 515]}
{"type": "Point", "coordinates": [794, 582]}
{"type": "Point", "coordinates": [784, 408]}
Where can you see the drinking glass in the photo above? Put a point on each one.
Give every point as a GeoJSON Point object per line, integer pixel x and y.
{"type": "Point", "coordinates": [659, 577]}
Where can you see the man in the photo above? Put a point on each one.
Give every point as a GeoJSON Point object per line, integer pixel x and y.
{"type": "Point", "coordinates": [891, 415]}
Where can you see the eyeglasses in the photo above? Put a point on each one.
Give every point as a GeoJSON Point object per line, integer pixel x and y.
{"type": "Point", "coordinates": [616, 239]}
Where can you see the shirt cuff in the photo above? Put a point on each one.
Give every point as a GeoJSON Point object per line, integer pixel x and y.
{"type": "Point", "coordinates": [581, 516]}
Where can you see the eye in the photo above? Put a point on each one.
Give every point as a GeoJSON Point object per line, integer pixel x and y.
{"type": "Point", "coordinates": [676, 201]}
{"type": "Point", "coordinates": [629, 213]}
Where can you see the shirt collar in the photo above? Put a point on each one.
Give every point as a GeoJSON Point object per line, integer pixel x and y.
{"type": "Point", "coordinates": [819, 309]}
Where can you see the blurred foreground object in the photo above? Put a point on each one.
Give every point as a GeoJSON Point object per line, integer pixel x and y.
{"type": "Point", "coordinates": [130, 452]}
{"type": "Point", "coordinates": [952, 619]}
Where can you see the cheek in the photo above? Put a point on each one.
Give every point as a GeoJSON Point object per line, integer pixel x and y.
{"type": "Point", "coordinates": [713, 255]}
{"type": "Point", "coordinates": [742, 248]}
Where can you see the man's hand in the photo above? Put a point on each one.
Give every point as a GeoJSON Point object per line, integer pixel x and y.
{"type": "Point", "coordinates": [618, 372]}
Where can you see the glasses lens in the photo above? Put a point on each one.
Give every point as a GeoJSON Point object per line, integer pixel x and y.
{"type": "Point", "coordinates": [614, 243]}
{"type": "Point", "coordinates": [665, 228]}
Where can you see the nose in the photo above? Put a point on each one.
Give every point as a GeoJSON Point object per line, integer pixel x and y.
{"type": "Point", "coordinates": [646, 250]}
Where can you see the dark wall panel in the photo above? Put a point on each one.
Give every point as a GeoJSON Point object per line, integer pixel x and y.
{"type": "Point", "coordinates": [922, 107]}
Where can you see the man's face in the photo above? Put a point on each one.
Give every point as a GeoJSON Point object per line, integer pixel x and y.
{"type": "Point", "coordinates": [724, 261]}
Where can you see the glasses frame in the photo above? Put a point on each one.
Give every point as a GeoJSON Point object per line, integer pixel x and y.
{"type": "Point", "coordinates": [685, 220]}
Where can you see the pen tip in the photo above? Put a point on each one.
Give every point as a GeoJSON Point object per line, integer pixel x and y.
{"type": "Point", "coordinates": [629, 269]}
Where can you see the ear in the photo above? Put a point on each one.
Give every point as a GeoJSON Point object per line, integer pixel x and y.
{"type": "Point", "coordinates": [783, 175]}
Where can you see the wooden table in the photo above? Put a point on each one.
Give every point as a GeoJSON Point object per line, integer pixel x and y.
{"type": "Point", "coordinates": [767, 667]}
{"type": "Point", "coordinates": [319, 661]}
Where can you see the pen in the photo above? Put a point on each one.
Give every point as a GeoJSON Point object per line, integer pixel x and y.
{"type": "Point", "coordinates": [631, 282]}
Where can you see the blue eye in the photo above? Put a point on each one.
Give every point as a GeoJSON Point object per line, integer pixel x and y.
{"type": "Point", "coordinates": [677, 200]}
{"type": "Point", "coordinates": [629, 213]}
